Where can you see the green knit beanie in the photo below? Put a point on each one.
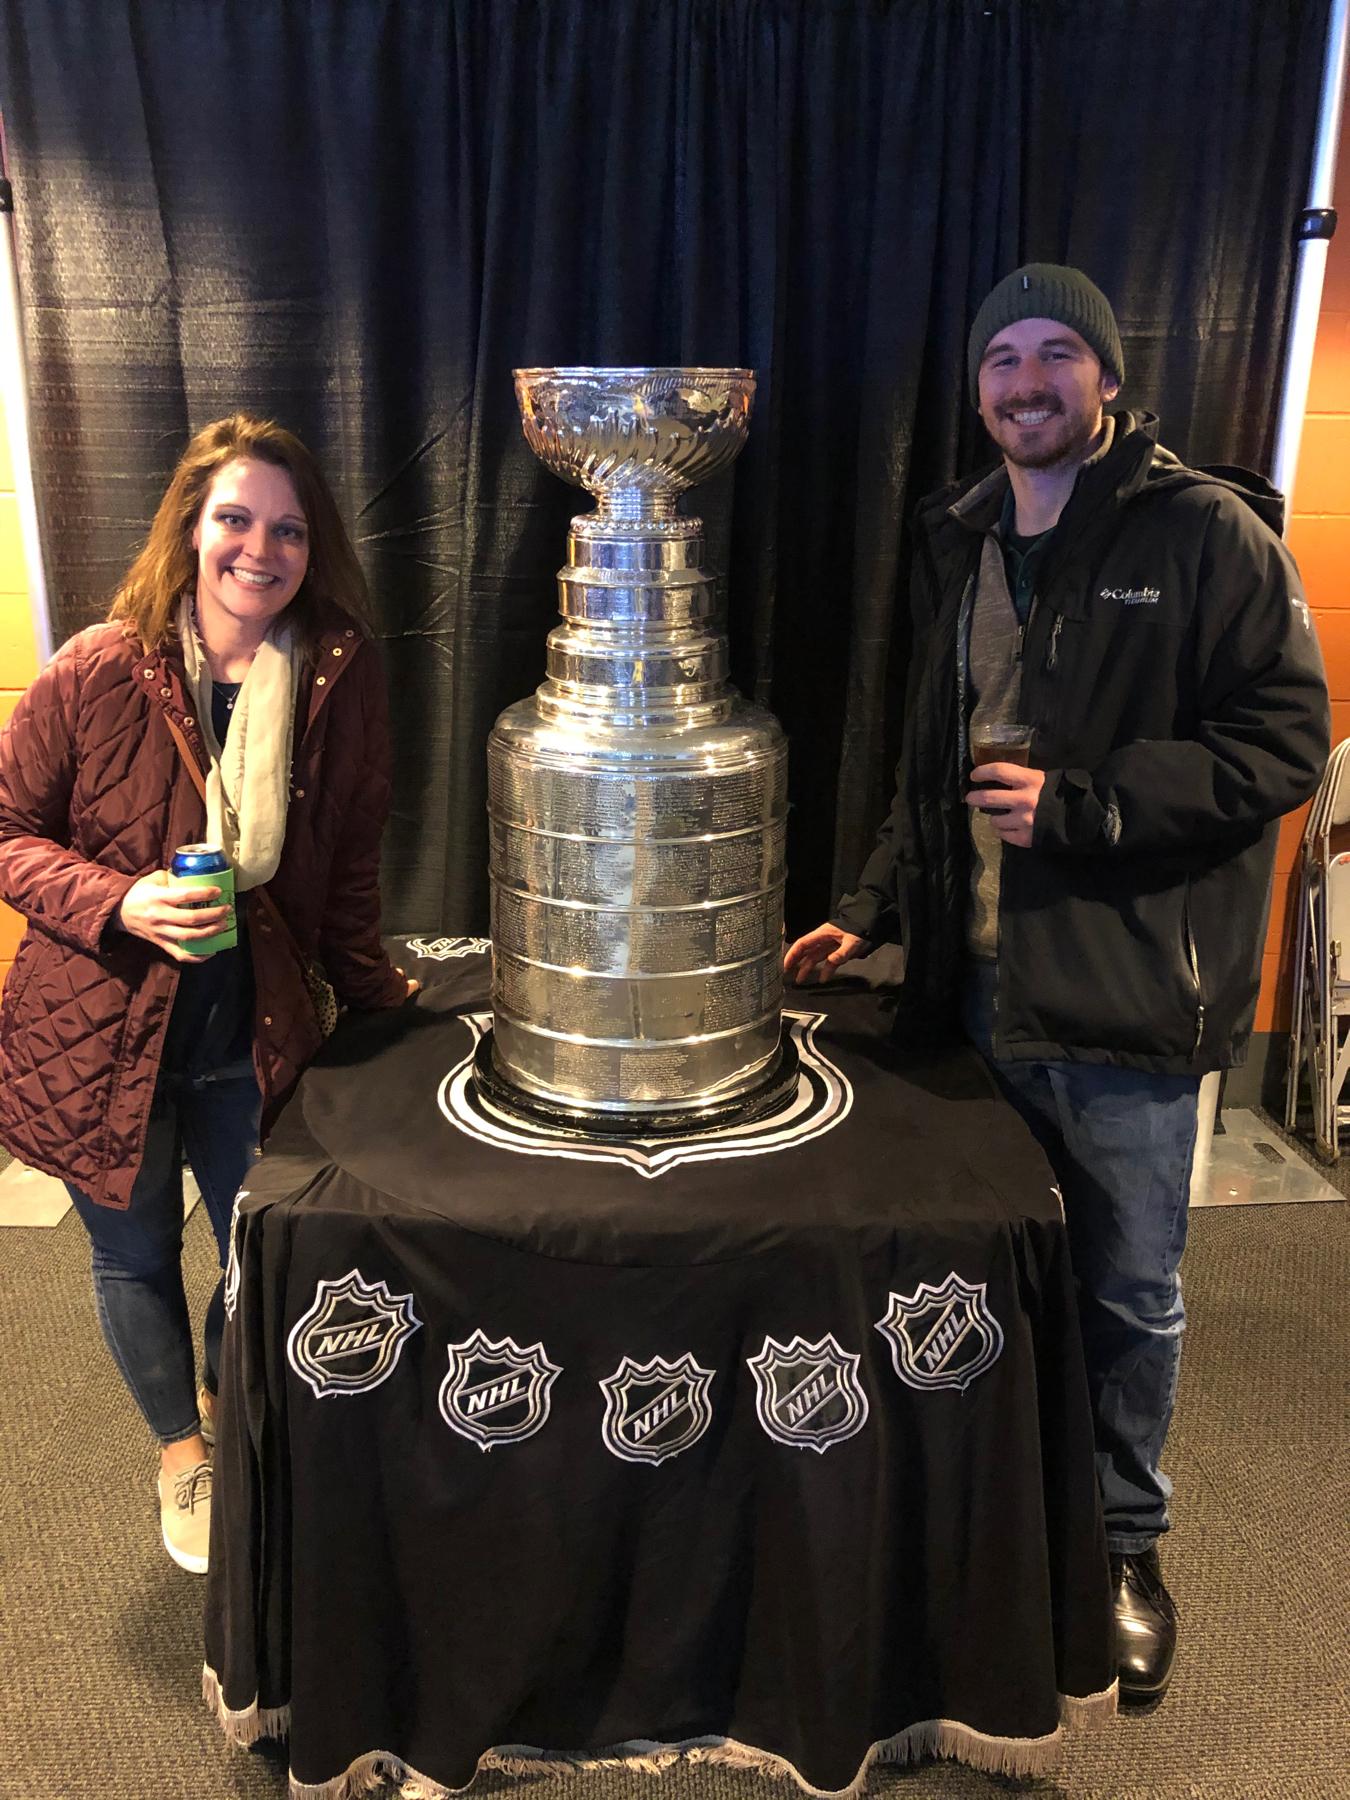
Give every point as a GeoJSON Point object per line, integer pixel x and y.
{"type": "Point", "coordinates": [1046, 291]}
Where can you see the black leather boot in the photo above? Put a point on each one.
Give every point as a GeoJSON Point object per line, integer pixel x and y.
{"type": "Point", "coordinates": [1146, 1627]}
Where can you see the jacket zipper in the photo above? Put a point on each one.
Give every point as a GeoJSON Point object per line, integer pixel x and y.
{"type": "Point", "coordinates": [963, 613]}
{"type": "Point", "coordinates": [1052, 647]}
{"type": "Point", "coordinates": [1193, 958]}
{"type": "Point", "coordinates": [963, 622]}
{"type": "Point", "coordinates": [1051, 660]}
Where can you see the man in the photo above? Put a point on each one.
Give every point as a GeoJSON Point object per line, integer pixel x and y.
{"type": "Point", "coordinates": [1095, 920]}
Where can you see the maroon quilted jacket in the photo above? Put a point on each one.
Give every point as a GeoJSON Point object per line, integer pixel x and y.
{"type": "Point", "coordinates": [94, 793]}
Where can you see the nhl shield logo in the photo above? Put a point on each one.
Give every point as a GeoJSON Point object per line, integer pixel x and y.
{"type": "Point", "coordinates": [496, 1393]}
{"type": "Point", "coordinates": [808, 1395]}
{"type": "Point", "coordinates": [943, 1335]}
{"type": "Point", "coordinates": [655, 1409]}
{"type": "Point", "coordinates": [351, 1338]}
{"type": "Point", "coordinates": [231, 1294]}
{"type": "Point", "coordinates": [444, 949]}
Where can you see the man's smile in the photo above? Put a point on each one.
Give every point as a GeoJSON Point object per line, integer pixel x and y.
{"type": "Point", "coordinates": [1029, 415]}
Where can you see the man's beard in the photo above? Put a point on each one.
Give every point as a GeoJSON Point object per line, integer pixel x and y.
{"type": "Point", "coordinates": [1063, 439]}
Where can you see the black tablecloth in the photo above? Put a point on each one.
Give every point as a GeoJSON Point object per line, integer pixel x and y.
{"type": "Point", "coordinates": [778, 1439]}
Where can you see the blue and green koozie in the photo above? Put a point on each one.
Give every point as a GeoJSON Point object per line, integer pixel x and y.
{"type": "Point", "coordinates": [206, 865]}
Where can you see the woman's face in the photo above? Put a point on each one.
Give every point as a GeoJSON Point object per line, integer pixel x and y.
{"type": "Point", "coordinates": [252, 544]}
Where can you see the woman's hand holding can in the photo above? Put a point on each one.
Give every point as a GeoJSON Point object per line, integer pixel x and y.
{"type": "Point", "coordinates": [170, 913]}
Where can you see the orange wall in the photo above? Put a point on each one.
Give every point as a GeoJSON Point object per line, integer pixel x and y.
{"type": "Point", "coordinates": [18, 657]}
{"type": "Point", "coordinates": [1319, 536]}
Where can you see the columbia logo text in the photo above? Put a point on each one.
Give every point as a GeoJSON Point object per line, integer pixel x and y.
{"type": "Point", "coordinates": [1140, 596]}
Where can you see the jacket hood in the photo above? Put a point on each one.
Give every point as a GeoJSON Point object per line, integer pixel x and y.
{"type": "Point", "coordinates": [976, 501]}
{"type": "Point", "coordinates": [1135, 462]}
{"type": "Point", "coordinates": [1264, 498]}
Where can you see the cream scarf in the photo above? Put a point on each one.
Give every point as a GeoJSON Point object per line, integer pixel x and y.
{"type": "Point", "coordinates": [249, 780]}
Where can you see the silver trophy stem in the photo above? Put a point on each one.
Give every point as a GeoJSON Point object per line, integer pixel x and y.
{"type": "Point", "coordinates": [637, 804]}
{"type": "Point", "coordinates": [635, 506]}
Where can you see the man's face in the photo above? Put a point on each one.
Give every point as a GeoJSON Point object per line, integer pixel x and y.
{"type": "Point", "coordinates": [1041, 394]}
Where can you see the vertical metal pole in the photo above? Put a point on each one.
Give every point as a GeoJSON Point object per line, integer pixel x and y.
{"type": "Point", "coordinates": [14, 388]}
{"type": "Point", "coordinates": [1315, 229]}
{"type": "Point", "coordinates": [1316, 225]}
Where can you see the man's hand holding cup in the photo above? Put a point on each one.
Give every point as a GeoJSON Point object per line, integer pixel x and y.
{"type": "Point", "coordinates": [1003, 787]}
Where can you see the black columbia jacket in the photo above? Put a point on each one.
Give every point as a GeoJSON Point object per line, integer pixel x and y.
{"type": "Point", "coordinates": [1173, 679]}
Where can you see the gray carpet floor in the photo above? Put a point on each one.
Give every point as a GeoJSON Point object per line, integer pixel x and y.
{"type": "Point", "coordinates": [100, 1634]}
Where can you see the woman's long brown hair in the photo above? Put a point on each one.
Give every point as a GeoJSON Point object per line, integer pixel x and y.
{"type": "Point", "coordinates": [167, 564]}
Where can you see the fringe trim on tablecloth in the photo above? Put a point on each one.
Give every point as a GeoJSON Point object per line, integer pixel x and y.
{"type": "Point", "coordinates": [949, 1738]}
{"type": "Point", "coordinates": [1082, 1712]}
{"type": "Point", "coordinates": [251, 1722]}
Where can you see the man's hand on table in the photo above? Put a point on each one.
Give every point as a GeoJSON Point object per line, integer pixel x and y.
{"type": "Point", "coordinates": [816, 956]}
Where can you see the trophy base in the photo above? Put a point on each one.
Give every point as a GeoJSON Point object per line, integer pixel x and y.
{"type": "Point", "coordinates": [771, 1094]}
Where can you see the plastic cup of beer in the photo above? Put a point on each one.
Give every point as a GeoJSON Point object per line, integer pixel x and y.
{"type": "Point", "coordinates": [1000, 744]}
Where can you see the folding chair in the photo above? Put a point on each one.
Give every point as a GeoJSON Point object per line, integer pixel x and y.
{"type": "Point", "coordinates": [1320, 1037]}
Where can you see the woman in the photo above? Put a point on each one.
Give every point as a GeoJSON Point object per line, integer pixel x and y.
{"type": "Point", "coordinates": [233, 696]}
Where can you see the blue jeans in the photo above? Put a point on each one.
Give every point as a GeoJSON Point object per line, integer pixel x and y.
{"type": "Point", "coordinates": [137, 1254]}
{"type": "Point", "coordinates": [1120, 1142]}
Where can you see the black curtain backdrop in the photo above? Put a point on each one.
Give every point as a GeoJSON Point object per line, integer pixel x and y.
{"type": "Point", "coordinates": [361, 215]}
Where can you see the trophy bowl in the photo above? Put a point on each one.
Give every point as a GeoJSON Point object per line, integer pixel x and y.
{"type": "Point", "coordinates": [635, 435]}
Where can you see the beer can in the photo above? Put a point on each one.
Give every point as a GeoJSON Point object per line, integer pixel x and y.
{"type": "Point", "coordinates": [198, 859]}
{"type": "Point", "coordinates": [206, 865]}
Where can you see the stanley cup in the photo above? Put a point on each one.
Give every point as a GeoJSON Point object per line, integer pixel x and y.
{"type": "Point", "coordinates": [637, 804]}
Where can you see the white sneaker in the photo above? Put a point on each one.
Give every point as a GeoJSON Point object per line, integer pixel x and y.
{"type": "Point", "coordinates": [207, 1416]}
{"type": "Point", "coordinates": [185, 1516]}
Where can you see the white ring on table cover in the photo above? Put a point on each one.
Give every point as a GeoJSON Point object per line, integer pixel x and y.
{"type": "Point", "coordinates": [824, 1099]}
